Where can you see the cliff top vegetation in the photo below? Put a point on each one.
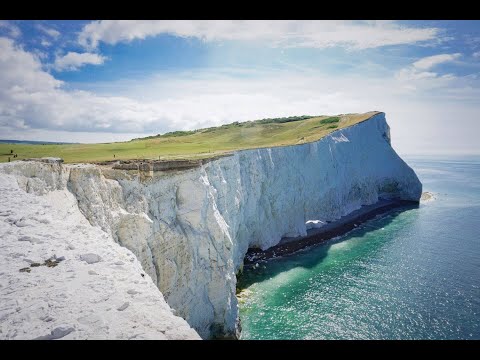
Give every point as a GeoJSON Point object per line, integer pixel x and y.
{"type": "Point", "coordinates": [196, 144]}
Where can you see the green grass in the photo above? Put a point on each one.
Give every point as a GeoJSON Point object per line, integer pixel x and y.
{"type": "Point", "coordinates": [197, 144]}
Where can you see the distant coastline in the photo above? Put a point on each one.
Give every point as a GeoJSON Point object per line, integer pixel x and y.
{"type": "Point", "coordinates": [34, 142]}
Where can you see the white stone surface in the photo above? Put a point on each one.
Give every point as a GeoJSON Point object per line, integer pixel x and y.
{"type": "Point", "coordinates": [84, 295]}
{"type": "Point", "coordinates": [190, 229]}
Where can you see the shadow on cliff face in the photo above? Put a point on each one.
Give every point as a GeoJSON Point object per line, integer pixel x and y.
{"type": "Point", "coordinates": [272, 267]}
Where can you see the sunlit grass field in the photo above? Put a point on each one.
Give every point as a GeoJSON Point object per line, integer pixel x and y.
{"type": "Point", "coordinates": [203, 143]}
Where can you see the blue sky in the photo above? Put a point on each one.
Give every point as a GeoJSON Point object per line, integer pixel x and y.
{"type": "Point", "coordinates": [98, 81]}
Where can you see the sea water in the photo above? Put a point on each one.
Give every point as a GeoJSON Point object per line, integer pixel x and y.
{"type": "Point", "coordinates": [413, 274]}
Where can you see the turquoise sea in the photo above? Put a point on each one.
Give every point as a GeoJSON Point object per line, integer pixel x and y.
{"type": "Point", "coordinates": [413, 274]}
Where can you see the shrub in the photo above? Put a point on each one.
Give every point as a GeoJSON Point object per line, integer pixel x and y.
{"type": "Point", "coordinates": [330, 120]}
{"type": "Point", "coordinates": [283, 119]}
{"type": "Point", "coordinates": [177, 133]}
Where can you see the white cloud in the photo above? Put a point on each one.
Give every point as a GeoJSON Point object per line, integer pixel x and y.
{"type": "Point", "coordinates": [419, 75]}
{"type": "Point", "coordinates": [74, 60]}
{"type": "Point", "coordinates": [292, 33]}
{"type": "Point", "coordinates": [431, 61]}
{"type": "Point", "coordinates": [476, 54]}
{"type": "Point", "coordinates": [45, 42]}
{"type": "Point", "coordinates": [13, 30]}
{"type": "Point", "coordinates": [41, 55]}
{"type": "Point", "coordinates": [48, 31]}
{"type": "Point", "coordinates": [31, 98]}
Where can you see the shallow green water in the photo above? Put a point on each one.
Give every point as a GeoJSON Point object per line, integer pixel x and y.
{"type": "Point", "coordinates": [410, 275]}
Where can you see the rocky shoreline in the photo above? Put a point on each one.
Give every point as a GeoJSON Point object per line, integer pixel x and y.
{"type": "Point", "coordinates": [288, 246]}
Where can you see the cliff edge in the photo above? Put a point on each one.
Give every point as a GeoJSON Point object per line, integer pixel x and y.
{"type": "Point", "coordinates": [190, 229]}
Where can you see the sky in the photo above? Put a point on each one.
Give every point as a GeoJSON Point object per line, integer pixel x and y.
{"type": "Point", "coordinates": [103, 81]}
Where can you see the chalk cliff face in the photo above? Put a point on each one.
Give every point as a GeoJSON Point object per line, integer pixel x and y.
{"type": "Point", "coordinates": [190, 229]}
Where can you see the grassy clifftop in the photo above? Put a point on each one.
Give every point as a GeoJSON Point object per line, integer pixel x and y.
{"type": "Point", "coordinates": [198, 144]}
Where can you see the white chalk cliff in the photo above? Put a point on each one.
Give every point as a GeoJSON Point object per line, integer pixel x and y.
{"type": "Point", "coordinates": [190, 229]}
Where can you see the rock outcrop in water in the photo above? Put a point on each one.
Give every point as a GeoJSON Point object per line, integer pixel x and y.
{"type": "Point", "coordinates": [191, 229]}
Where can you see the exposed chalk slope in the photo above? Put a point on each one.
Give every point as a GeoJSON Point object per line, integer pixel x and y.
{"type": "Point", "coordinates": [92, 288]}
